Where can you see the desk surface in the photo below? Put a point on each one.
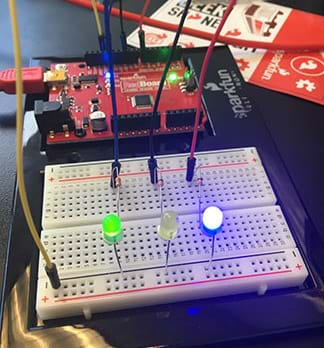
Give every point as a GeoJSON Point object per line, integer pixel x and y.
{"type": "Point", "coordinates": [297, 132]}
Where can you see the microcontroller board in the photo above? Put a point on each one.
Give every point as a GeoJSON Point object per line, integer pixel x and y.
{"type": "Point", "coordinates": [79, 105]}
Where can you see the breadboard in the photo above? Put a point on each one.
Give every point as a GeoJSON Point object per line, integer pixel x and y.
{"type": "Point", "coordinates": [254, 251]}
{"type": "Point", "coordinates": [80, 194]}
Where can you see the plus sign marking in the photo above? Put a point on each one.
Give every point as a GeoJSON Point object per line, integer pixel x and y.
{"type": "Point", "coordinates": [45, 299]}
{"type": "Point", "coordinates": [299, 267]}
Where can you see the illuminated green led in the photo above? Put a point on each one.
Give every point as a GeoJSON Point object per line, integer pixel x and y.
{"type": "Point", "coordinates": [186, 75]}
{"type": "Point", "coordinates": [164, 52]}
{"type": "Point", "coordinates": [173, 77]}
{"type": "Point", "coordinates": [112, 230]}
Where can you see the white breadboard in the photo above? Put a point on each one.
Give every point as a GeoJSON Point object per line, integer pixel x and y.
{"type": "Point", "coordinates": [254, 251]}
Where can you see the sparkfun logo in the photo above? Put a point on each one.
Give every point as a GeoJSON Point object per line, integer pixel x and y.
{"type": "Point", "coordinates": [229, 85]}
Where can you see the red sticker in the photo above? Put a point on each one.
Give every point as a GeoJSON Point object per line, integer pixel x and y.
{"type": "Point", "coordinates": [298, 74]}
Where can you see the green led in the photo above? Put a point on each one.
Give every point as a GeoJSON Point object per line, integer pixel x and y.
{"type": "Point", "coordinates": [173, 77]}
{"type": "Point", "coordinates": [164, 52]}
{"type": "Point", "coordinates": [112, 230]}
{"type": "Point", "coordinates": [186, 75]}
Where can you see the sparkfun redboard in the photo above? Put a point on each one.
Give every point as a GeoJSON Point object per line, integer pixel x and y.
{"type": "Point", "coordinates": [255, 250]}
{"type": "Point", "coordinates": [79, 107]}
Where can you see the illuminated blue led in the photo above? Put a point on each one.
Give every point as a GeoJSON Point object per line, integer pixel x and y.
{"type": "Point", "coordinates": [105, 57]}
{"type": "Point", "coordinates": [212, 220]}
{"type": "Point", "coordinates": [107, 75]}
{"type": "Point", "coordinates": [193, 311]}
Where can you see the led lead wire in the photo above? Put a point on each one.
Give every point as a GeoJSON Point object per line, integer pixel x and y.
{"type": "Point", "coordinates": [160, 184]}
{"type": "Point", "coordinates": [200, 183]}
{"type": "Point", "coordinates": [117, 185]}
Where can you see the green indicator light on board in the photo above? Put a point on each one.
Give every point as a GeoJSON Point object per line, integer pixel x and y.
{"type": "Point", "coordinates": [112, 230]}
{"type": "Point", "coordinates": [186, 75]}
{"type": "Point", "coordinates": [173, 77]}
{"type": "Point", "coordinates": [164, 51]}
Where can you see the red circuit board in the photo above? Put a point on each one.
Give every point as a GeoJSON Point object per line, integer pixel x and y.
{"type": "Point", "coordinates": [130, 80]}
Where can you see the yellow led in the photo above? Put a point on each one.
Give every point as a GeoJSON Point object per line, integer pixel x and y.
{"type": "Point", "coordinates": [168, 226]}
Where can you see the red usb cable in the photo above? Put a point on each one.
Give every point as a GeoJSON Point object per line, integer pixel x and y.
{"type": "Point", "coordinates": [32, 80]}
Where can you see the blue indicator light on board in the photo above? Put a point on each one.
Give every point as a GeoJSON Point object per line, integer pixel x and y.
{"type": "Point", "coordinates": [212, 220]}
{"type": "Point", "coordinates": [105, 57]}
{"type": "Point", "coordinates": [193, 311]}
{"type": "Point", "coordinates": [107, 75]}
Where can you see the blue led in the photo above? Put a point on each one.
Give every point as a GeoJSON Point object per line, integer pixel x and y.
{"type": "Point", "coordinates": [193, 311]}
{"type": "Point", "coordinates": [107, 75]}
{"type": "Point", "coordinates": [212, 220]}
{"type": "Point", "coordinates": [105, 57]}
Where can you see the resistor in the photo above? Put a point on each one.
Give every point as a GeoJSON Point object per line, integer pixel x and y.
{"type": "Point", "coordinates": [118, 181]}
{"type": "Point", "coordinates": [160, 183]}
